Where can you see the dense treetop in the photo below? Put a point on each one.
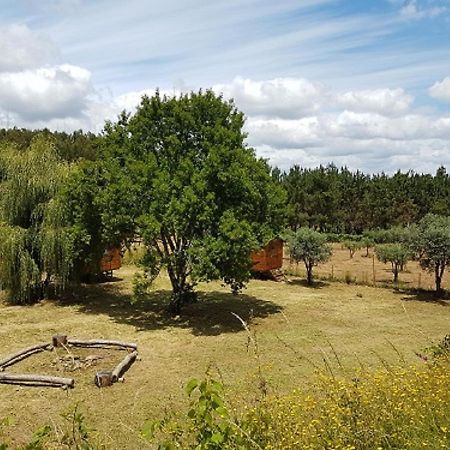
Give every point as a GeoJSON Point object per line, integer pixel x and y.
{"type": "Point", "coordinates": [338, 200]}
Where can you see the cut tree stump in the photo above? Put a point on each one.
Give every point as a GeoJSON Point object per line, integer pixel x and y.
{"type": "Point", "coordinates": [36, 380]}
{"type": "Point", "coordinates": [103, 378]}
{"type": "Point", "coordinates": [59, 340]}
{"type": "Point", "coordinates": [22, 354]}
{"type": "Point", "coordinates": [101, 343]}
{"type": "Point", "coordinates": [123, 366]}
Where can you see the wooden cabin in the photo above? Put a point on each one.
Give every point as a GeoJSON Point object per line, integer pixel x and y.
{"type": "Point", "coordinates": [269, 257]}
{"type": "Point", "coordinates": [111, 260]}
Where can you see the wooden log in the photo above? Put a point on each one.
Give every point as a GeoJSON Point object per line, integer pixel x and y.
{"type": "Point", "coordinates": [99, 343]}
{"type": "Point", "coordinates": [123, 366]}
{"type": "Point", "coordinates": [22, 354]}
{"type": "Point", "coordinates": [59, 340]}
{"type": "Point", "coordinates": [103, 378]}
{"type": "Point", "coordinates": [36, 380]}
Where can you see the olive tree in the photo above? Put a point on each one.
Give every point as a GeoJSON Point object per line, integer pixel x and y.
{"type": "Point", "coordinates": [352, 245]}
{"type": "Point", "coordinates": [311, 247]}
{"type": "Point", "coordinates": [395, 254]}
{"type": "Point", "coordinates": [199, 197]}
{"type": "Point", "coordinates": [431, 244]}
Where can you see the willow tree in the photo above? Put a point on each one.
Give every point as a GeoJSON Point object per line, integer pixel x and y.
{"type": "Point", "coordinates": [35, 244]}
{"type": "Point", "coordinates": [200, 198]}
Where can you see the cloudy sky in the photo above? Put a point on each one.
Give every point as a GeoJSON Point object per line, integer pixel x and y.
{"type": "Point", "coordinates": [362, 83]}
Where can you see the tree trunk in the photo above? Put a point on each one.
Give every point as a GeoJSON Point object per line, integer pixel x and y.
{"type": "Point", "coordinates": [309, 274]}
{"type": "Point", "coordinates": [438, 278]}
{"type": "Point", "coordinates": [395, 271]}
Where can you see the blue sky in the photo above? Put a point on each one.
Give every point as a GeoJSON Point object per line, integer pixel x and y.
{"type": "Point", "coordinates": [361, 83]}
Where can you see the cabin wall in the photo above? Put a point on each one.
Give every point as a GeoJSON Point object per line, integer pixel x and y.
{"type": "Point", "coordinates": [269, 257]}
{"type": "Point", "coordinates": [111, 260]}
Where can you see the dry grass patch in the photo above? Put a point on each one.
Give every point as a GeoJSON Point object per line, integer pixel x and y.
{"type": "Point", "coordinates": [294, 324]}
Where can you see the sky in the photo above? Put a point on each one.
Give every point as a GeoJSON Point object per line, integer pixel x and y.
{"type": "Point", "coordinates": [360, 83]}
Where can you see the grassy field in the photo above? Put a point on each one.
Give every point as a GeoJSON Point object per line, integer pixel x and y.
{"type": "Point", "coordinates": [295, 328]}
{"type": "Point", "coordinates": [363, 269]}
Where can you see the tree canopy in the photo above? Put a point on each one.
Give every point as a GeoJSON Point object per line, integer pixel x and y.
{"type": "Point", "coordinates": [336, 200]}
{"type": "Point", "coordinates": [198, 196]}
{"type": "Point", "coordinates": [396, 254]}
{"type": "Point", "coordinates": [310, 247]}
{"type": "Point", "coordinates": [35, 244]}
{"type": "Point", "coordinates": [431, 243]}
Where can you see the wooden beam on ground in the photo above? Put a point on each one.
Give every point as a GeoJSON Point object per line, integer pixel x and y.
{"type": "Point", "coordinates": [22, 354]}
{"type": "Point", "coordinates": [36, 380]}
{"type": "Point", "coordinates": [101, 343]}
{"type": "Point", "coordinates": [123, 366]}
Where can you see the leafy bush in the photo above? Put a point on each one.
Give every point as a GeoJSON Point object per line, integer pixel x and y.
{"type": "Point", "coordinates": [397, 408]}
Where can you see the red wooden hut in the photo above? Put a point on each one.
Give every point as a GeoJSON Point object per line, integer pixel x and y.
{"type": "Point", "coordinates": [111, 260]}
{"type": "Point", "coordinates": [269, 258]}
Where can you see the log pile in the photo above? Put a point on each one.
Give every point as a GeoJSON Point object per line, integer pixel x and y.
{"type": "Point", "coordinates": [102, 378]}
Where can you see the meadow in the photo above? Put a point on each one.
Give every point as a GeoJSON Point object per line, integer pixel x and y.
{"type": "Point", "coordinates": [368, 270]}
{"type": "Point", "coordinates": [298, 329]}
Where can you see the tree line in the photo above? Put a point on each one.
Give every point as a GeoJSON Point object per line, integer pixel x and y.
{"type": "Point", "coordinates": [329, 199]}
{"type": "Point", "coordinates": [179, 177]}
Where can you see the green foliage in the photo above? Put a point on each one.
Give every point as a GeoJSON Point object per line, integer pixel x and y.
{"type": "Point", "coordinates": [367, 241]}
{"type": "Point", "coordinates": [402, 407]}
{"type": "Point", "coordinates": [395, 254]}
{"type": "Point", "coordinates": [441, 349]}
{"type": "Point", "coordinates": [196, 194]}
{"type": "Point", "coordinates": [431, 244]}
{"type": "Point", "coordinates": [352, 245]}
{"type": "Point", "coordinates": [340, 201]}
{"type": "Point", "coordinates": [38, 441]}
{"type": "Point", "coordinates": [35, 245]}
{"type": "Point", "coordinates": [68, 146]}
{"type": "Point", "coordinates": [210, 424]}
{"type": "Point", "coordinates": [98, 205]}
{"type": "Point", "coordinates": [76, 435]}
{"type": "Point", "coordinates": [310, 247]}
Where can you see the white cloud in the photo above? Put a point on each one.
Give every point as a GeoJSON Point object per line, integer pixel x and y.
{"type": "Point", "coordinates": [383, 101]}
{"type": "Point", "coordinates": [412, 10]}
{"type": "Point", "coordinates": [280, 97]}
{"type": "Point", "coordinates": [370, 129]}
{"type": "Point", "coordinates": [45, 93]}
{"type": "Point", "coordinates": [284, 133]}
{"type": "Point", "coordinates": [21, 48]}
{"type": "Point", "coordinates": [441, 90]}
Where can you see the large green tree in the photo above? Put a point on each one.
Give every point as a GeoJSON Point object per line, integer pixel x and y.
{"type": "Point", "coordinates": [199, 197]}
{"type": "Point", "coordinates": [35, 243]}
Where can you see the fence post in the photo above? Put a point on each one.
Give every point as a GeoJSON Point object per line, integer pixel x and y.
{"type": "Point", "coordinates": [373, 269]}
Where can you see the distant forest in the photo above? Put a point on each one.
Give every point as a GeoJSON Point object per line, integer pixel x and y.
{"type": "Point", "coordinates": [327, 198]}
{"type": "Point", "coordinates": [336, 200]}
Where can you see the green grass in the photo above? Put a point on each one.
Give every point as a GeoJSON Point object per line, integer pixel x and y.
{"type": "Point", "coordinates": [294, 325]}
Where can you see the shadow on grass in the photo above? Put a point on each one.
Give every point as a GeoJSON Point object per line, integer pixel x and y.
{"type": "Point", "coordinates": [316, 284]}
{"type": "Point", "coordinates": [424, 296]}
{"type": "Point", "coordinates": [211, 315]}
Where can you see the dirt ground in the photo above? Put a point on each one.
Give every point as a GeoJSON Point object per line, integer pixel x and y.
{"type": "Point", "coordinates": [297, 328]}
{"type": "Point", "coordinates": [365, 269]}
